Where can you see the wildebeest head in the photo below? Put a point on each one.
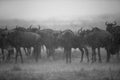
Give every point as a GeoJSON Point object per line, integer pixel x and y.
{"type": "Point", "coordinates": [3, 29]}
{"type": "Point", "coordinates": [33, 29]}
{"type": "Point", "coordinates": [3, 32]}
{"type": "Point", "coordinates": [20, 28]}
{"type": "Point", "coordinates": [80, 30]}
{"type": "Point", "coordinates": [3, 38]}
{"type": "Point", "coordinates": [110, 26]}
{"type": "Point", "coordinates": [66, 38]}
{"type": "Point", "coordinates": [56, 33]}
{"type": "Point", "coordinates": [115, 31]}
{"type": "Point", "coordinates": [83, 33]}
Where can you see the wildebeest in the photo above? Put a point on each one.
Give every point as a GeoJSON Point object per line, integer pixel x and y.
{"type": "Point", "coordinates": [66, 38]}
{"type": "Point", "coordinates": [48, 39]}
{"type": "Point", "coordinates": [33, 29]}
{"type": "Point", "coordinates": [19, 28]}
{"type": "Point", "coordinates": [79, 42]}
{"type": "Point", "coordinates": [3, 42]}
{"type": "Point", "coordinates": [96, 39]}
{"type": "Point", "coordinates": [114, 29]}
{"type": "Point", "coordinates": [20, 38]}
{"type": "Point", "coordinates": [28, 50]}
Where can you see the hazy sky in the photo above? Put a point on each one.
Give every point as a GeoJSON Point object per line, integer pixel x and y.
{"type": "Point", "coordinates": [57, 9]}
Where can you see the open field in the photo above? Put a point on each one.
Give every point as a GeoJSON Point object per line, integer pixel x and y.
{"type": "Point", "coordinates": [48, 69]}
{"type": "Point", "coordinates": [54, 23]}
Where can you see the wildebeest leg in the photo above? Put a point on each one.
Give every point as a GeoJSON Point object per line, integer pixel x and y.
{"type": "Point", "coordinates": [3, 56]}
{"type": "Point", "coordinates": [8, 56]}
{"type": "Point", "coordinates": [93, 55]}
{"type": "Point", "coordinates": [69, 55]}
{"type": "Point", "coordinates": [82, 52]}
{"type": "Point", "coordinates": [10, 53]}
{"type": "Point", "coordinates": [99, 56]}
{"type": "Point", "coordinates": [29, 50]}
{"type": "Point", "coordinates": [52, 53]}
{"type": "Point", "coordinates": [117, 55]}
{"type": "Point", "coordinates": [18, 51]}
{"type": "Point", "coordinates": [108, 55]}
{"type": "Point", "coordinates": [86, 52]}
{"type": "Point", "coordinates": [39, 51]}
{"type": "Point", "coordinates": [66, 55]}
{"type": "Point", "coordinates": [20, 55]}
{"type": "Point", "coordinates": [16, 55]}
{"type": "Point", "coordinates": [25, 51]}
{"type": "Point", "coordinates": [36, 52]}
{"type": "Point", "coordinates": [48, 52]}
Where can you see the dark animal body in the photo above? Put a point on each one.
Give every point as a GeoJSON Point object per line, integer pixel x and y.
{"type": "Point", "coordinates": [114, 29]}
{"type": "Point", "coordinates": [79, 42]}
{"type": "Point", "coordinates": [97, 39]}
{"type": "Point", "coordinates": [3, 42]}
{"type": "Point", "coordinates": [52, 39]}
{"type": "Point", "coordinates": [2, 46]}
{"type": "Point", "coordinates": [49, 39]}
{"type": "Point", "coordinates": [66, 39]}
{"type": "Point", "coordinates": [20, 39]}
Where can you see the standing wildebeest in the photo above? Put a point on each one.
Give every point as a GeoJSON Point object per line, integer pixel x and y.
{"type": "Point", "coordinates": [79, 42]}
{"type": "Point", "coordinates": [26, 49]}
{"type": "Point", "coordinates": [34, 30]}
{"type": "Point", "coordinates": [19, 38]}
{"type": "Point", "coordinates": [66, 40]}
{"type": "Point", "coordinates": [114, 29]}
{"type": "Point", "coordinates": [48, 37]}
{"type": "Point", "coordinates": [3, 42]}
{"type": "Point", "coordinates": [96, 39]}
{"type": "Point", "coordinates": [48, 40]}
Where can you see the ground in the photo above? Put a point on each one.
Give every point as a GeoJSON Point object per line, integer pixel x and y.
{"type": "Point", "coordinates": [48, 69]}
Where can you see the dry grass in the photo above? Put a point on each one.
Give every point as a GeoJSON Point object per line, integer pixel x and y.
{"type": "Point", "coordinates": [64, 75]}
{"type": "Point", "coordinates": [16, 68]}
{"type": "Point", "coordinates": [47, 69]}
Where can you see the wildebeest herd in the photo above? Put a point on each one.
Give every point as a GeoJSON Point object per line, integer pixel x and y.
{"type": "Point", "coordinates": [35, 38]}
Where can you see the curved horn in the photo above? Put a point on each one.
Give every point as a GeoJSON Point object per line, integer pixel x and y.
{"type": "Point", "coordinates": [80, 30]}
{"type": "Point", "coordinates": [6, 27]}
{"type": "Point", "coordinates": [92, 28]}
{"type": "Point", "coordinates": [16, 26]}
{"type": "Point", "coordinates": [106, 23]}
{"type": "Point", "coordinates": [39, 27]}
{"type": "Point", "coordinates": [30, 26]}
{"type": "Point", "coordinates": [114, 23]}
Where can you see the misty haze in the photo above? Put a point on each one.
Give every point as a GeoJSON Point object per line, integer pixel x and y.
{"type": "Point", "coordinates": [59, 39]}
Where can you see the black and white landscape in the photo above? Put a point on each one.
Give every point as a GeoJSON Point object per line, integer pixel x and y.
{"type": "Point", "coordinates": [59, 40]}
